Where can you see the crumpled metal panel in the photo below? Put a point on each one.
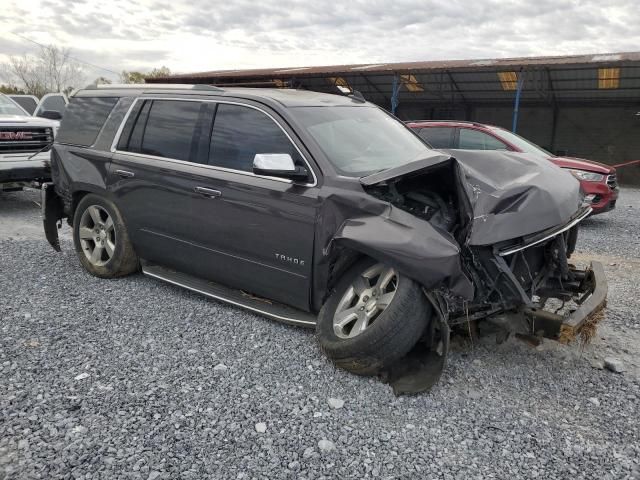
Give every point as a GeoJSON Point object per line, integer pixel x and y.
{"type": "Point", "coordinates": [515, 194]}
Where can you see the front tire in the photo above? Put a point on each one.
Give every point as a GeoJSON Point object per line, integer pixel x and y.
{"type": "Point", "coordinates": [101, 239]}
{"type": "Point", "coordinates": [373, 317]}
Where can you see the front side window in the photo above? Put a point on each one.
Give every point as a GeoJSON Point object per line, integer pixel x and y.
{"type": "Point", "coordinates": [521, 143]}
{"type": "Point", "coordinates": [239, 133]}
{"type": "Point", "coordinates": [437, 137]}
{"type": "Point", "coordinates": [361, 140]}
{"type": "Point", "coordinates": [476, 140]}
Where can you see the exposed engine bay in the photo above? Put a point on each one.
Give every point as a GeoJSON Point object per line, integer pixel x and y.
{"type": "Point", "coordinates": [432, 195]}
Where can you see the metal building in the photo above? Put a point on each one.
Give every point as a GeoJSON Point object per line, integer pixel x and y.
{"type": "Point", "coordinates": [585, 106]}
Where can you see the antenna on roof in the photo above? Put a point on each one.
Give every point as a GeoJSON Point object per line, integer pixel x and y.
{"type": "Point", "coordinates": [358, 96]}
{"type": "Point", "coordinates": [353, 94]}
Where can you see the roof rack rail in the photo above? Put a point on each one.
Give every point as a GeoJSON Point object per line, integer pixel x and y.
{"type": "Point", "coordinates": [154, 86]}
{"type": "Point", "coordinates": [470, 122]}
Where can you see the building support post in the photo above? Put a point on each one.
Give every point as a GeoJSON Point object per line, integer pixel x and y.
{"type": "Point", "coordinates": [395, 93]}
{"type": "Point", "coordinates": [516, 105]}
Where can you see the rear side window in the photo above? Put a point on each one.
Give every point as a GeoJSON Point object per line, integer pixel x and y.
{"type": "Point", "coordinates": [239, 133]}
{"type": "Point", "coordinates": [28, 103]}
{"type": "Point", "coordinates": [84, 118]}
{"type": "Point", "coordinates": [166, 128]}
{"type": "Point", "coordinates": [438, 137]}
{"type": "Point", "coordinates": [475, 140]}
{"type": "Point", "coordinates": [170, 129]}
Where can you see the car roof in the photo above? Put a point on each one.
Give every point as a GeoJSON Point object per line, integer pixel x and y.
{"type": "Point", "coordinates": [286, 97]}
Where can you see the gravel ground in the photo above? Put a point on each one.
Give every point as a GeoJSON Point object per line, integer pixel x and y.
{"type": "Point", "coordinates": [133, 378]}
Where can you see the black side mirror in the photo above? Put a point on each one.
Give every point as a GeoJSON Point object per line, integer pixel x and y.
{"type": "Point", "coordinates": [50, 114]}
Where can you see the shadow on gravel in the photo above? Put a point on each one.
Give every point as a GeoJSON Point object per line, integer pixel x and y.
{"type": "Point", "coordinates": [19, 202]}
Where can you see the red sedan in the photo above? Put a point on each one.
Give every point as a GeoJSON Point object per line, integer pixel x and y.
{"type": "Point", "coordinates": [598, 180]}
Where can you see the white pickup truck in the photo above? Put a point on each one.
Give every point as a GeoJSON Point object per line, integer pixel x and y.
{"type": "Point", "coordinates": [24, 145]}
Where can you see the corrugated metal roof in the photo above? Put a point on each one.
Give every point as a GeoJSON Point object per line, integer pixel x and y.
{"type": "Point", "coordinates": [546, 79]}
{"type": "Point", "coordinates": [412, 67]}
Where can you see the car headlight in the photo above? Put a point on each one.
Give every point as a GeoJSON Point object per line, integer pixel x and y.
{"type": "Point", "coordinates": [586, 176]}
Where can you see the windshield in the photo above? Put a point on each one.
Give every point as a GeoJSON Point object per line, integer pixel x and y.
{"type": "Point", "coordinates": [522, 144]}
{"type": "Point", "coordinates": [361, 140]}
{"type": "Point", "coordinates": [8, 107]}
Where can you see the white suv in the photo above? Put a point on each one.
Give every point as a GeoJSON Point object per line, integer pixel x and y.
{"type": "Point", "coordinates": [24, 145]}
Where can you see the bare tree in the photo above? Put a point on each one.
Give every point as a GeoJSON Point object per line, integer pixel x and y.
{"type": "Point", "coordinates": [51, 70]}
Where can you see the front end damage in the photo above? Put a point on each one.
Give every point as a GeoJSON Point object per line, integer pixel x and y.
{"type": "Point", "coordinates": [514, 222]}
{"type": "Point", "coordinates": [535, 291]}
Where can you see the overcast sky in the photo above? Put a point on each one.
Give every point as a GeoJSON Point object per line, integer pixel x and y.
{"type": "Point", "coordinates": [201, 35]}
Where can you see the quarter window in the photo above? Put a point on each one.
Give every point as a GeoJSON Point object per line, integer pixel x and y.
{"type": "Point", "coordinates": [239, 133]}
{"type": "Point", "coordinates": [84, 119]}
{"type": "Point", "coordinates": [475, 140]}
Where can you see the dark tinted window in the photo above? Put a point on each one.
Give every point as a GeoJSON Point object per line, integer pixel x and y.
{"type": "Point", "coordinates": [476, 140]}
{"type": "Point", "coordinates": [239, 133]}
{"type": "Point", "coordinates": [438, 137]}
{"type": "Point", "coordinates": [52, 102]}
{"type": "Point", "coordinates": [28, 103]}
{"type": "Point", "coordinates": [83, 119]}
{"type": "Point", "coordinates": [170, 129]}
{"type": "Point", "coordinates": [137, 121]}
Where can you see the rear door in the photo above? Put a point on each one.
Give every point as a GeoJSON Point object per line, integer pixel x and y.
{"type": "Point", "coordinates": [214, 220]}
{"type": "Point", "coordinates": [438, 137]}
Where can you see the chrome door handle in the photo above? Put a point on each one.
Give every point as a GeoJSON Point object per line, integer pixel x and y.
{"type": "Point", "coordinates": [208, 192]}
{"type": "Point", "coordinates": [125, 173]}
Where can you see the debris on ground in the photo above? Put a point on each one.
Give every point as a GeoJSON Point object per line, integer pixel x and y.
{"type": "Point", "coordinates": [614, 364]}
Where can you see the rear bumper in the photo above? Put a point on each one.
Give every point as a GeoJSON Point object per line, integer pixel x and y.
{"type": "Point", "coordinates": [590, 298]}
{"type": "Point", "coordinates": [21, 169]}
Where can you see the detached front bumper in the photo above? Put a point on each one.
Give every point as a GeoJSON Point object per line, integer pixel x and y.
{"type": "Point", "coordinates": [590, 300]}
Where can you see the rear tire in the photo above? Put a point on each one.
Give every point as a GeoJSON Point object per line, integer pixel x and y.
{"type": "Point", "coordinates": [101, 239]}
{"type": "Point", "coordinates": [397, 324]}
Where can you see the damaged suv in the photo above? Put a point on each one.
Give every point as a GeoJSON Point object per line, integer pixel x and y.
{"type": "Point", "coordinates": [320, 210]}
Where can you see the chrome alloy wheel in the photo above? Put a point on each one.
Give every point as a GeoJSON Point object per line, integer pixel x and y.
{"type": "Point", "coordinates": [97, 235]}
{"type": "Point", "coordinates": [368, 296]}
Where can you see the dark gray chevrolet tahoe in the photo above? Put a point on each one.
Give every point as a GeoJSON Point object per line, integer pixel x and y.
{"type": "Point", "coordinates": [321, 210]}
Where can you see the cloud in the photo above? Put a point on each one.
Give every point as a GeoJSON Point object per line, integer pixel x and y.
{"type": "Point", "coordinates": [198, 35]}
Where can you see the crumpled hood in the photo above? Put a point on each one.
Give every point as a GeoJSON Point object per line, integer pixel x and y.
{"type": "Point", "coordinates": [515, 194]}
{"type": "Point", "coordinates": [511, 194]}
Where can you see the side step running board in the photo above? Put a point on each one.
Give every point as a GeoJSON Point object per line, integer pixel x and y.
{"type": "Point", "coordinates": [241, 299]}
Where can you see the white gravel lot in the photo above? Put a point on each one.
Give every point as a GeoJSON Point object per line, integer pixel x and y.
{"type": "Point", "coordinates": [133, 378]}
